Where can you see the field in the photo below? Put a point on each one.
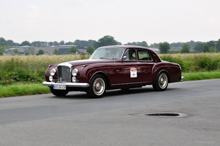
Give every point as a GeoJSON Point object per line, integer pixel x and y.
{"type": "Point", "coordinates": [195, 62]}
{"type": "Point", "coordinates": [23, 75]}
{"type": "Point", "coordinates": [15, 69]}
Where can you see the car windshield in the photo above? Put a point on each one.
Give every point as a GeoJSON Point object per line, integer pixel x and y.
{"type": "Point", "coordinates": [107, 53]}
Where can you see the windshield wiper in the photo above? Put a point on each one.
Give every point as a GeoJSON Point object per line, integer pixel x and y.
{"type": "Point", "coordinates": [102, 58]}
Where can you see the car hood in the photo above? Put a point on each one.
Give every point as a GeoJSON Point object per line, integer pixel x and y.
{"type": "Point", "coordinates": [86, 62]}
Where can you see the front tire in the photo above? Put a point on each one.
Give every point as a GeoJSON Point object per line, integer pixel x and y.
{"type": "Point", "coordinates": [161, 82]}
{"type": "Point", "coordinates": [59, 92]}
{"type": "Point", "coordinates": [97, 86]}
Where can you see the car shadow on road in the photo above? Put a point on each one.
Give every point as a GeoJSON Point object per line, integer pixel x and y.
{"type": "Point", "coordinates": [110, 93]}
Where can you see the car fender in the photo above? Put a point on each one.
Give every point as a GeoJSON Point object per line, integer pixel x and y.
{"type": "Point", "coordinates": [157, 69]}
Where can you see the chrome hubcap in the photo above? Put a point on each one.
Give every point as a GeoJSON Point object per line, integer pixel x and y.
{"type": "Point", "coordinates": [163, 81]}
{"type": "Point", "coordinates": [99, 86]}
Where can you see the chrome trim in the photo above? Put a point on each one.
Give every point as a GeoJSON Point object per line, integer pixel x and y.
{"type": "Point", "coordinates": [130, 83]}
{"type": "Point", "coordinates": [65, 64]}
{"type": "Point", "coordinates": [50, 84]}
{"type": "Point", "coordinates": [182, 78]}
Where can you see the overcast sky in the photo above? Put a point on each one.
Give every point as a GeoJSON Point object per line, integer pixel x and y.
{"type": "Point", "coordinates": [152, 21]}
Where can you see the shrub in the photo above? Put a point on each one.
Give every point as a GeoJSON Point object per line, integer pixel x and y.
{"type": "Point", "coordinates": [177, 59]}
{"type": "Point", "coordinates": [15, 69]}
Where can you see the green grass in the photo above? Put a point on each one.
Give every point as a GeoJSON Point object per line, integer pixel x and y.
{"type": "Point", "coordinates": [19, 89]}
{"type": "Point", "coordinates": [201, 75]}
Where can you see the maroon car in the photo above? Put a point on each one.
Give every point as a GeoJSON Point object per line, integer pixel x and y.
{"type": "Point", "coordinates": [112, 67]}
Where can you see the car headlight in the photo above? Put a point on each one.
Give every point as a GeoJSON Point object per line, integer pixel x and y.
{"type": "Point", "coordinates": [52, 72]}
{"type": "Point", "coordinates": [74, 72]}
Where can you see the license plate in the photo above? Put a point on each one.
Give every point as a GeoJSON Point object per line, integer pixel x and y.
{"type": "Point", "coordinates": [59, 87]}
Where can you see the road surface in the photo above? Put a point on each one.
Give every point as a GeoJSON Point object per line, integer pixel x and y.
{"type": "Point", "coordinates": [118, 119]}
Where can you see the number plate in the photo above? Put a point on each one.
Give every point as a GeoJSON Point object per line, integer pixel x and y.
{"type": "Point", "coordinates": [59, 87]}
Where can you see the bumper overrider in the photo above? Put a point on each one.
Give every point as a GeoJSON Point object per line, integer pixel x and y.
{"type": "Point", "coordinates": [182, 78]}
{"type": "Point", "coordinates": [67, 84]}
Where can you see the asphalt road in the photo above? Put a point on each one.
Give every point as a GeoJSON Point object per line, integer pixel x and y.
{"type": "Point", "coordinates": [118, 119]}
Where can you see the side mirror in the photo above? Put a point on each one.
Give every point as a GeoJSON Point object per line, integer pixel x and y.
{"type": "Point", "coordinates": [124, 57]}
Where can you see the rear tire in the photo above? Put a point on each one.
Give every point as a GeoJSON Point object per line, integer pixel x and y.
{"type": "Point", "coordinates": [161, 82]}
{"type": "Point", "coordinates": [97, 86]}
{"type": "Point", "coordinates": [59, 92]}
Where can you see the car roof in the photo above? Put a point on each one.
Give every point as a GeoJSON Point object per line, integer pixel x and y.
{"type": "Point", "coordinates": [123, 46]}
{"type": "Point", "coordinates": [128, 46]}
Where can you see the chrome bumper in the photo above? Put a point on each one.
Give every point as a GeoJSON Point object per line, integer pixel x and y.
{"type": "Point", "coordinates": [182, 78]}
{"type": "Point", "coordinates": [82, 85]}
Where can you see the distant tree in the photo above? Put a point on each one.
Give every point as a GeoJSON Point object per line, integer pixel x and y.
{"type": "Point", "coordinates": [25, 43]}
{"type": "Point", "coordinates": [62, 43]}
{"type": "Point", "coordinates": [105, 41]}
{"type": "Point", "coordinates": [218, 46]}
{"type": "Point", "coordinates": [143, 43]}
{"type": "Point", "coordinates": [164, 47]}
{"type": "Point", "coordinates": [185, 49]}
{"type": "Point", "coordinates": [36, 44]}
{"type": "Point", "coordinates": [205, 48]}
{"type": "Point", "coordinates": [211, 44]}
{"type": "Point", "coordinates": [198, 48]}
{"type": "Point", "coordinates": [56, 52]}
{"type": "Point", "coordinates": [90, 43]}
{"type": "Point", "coordinates": [16, 51]}
{"type": "Point", "coordinates": [55, 43]}
{"type": "Point", "coordinates": [2, 50]}
{"type": "Point", "coordinates": [90, 49]}
{"type": "Point", "coordinates": [73, 50]}
{"type": "Point", "coordinates": [3, 42]}
{"type": "Point", "coordinates": [84, 43]}
{"type": "Point", "coordinates": [44, 44]}
{"type": "Point", "coordinates": [10, 43]}
{"type": "Point", "coordinates": [40, 52]}
{"type": "Point", "coordinates": [212, 49]}
{"type": "Point", "coordinates": [69, 43]}
{"type": "Point", "coordinates": [50, 43]}
{"type": "Point", "coordinates": [154, 45]}
{"type": "Point", "coordinates": [27, 53]}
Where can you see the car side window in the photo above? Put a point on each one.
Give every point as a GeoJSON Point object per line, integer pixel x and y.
{"type": "Point", "coordinates": [144, 55]}
{"type": "Point", "coordinates": [130, 54]}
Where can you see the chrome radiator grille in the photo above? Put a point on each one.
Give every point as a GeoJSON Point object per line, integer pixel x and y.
{"type": "Point", "coordinates": [64, 74]}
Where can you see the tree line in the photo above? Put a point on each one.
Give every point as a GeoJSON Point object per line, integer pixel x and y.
{"type": "Point", "coordinates": [91, 45]}
{"type": "Point", "coordinates": [211, 46]}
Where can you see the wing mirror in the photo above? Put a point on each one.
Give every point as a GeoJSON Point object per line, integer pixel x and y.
{"type": "Point", "coordinates": [124, 57]}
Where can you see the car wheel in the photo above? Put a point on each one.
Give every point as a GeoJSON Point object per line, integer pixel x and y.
{"type": "Point", "coordinates": [161, 82]}
{"type": "Point", "coordinates": [59, 92]}
{"type": "Point", "coordinates": [97, 86]}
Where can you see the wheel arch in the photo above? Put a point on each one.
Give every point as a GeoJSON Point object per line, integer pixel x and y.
{"type": "Point", "coordinates": [104, 75]}
{"type": "Point", "coordinates": [161, 71]}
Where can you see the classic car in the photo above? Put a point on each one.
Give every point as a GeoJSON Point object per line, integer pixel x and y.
{"type": "Point", "coordinates": [112, 67]}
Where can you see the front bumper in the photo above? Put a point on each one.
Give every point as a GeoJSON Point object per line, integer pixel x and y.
{"type": "Point", "coordinates": [80, 85]}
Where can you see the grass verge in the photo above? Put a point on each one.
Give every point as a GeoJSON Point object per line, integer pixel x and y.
{"type": "Point", "coordinates": [201, 75]}
{"type": "Point", "coordinates": [19, 89]}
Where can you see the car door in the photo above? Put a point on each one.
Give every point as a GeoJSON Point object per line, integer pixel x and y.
{"type": "Point", "coordinates": [130, 67]}
{"type": "Point", "coordinates": [145, 66]}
